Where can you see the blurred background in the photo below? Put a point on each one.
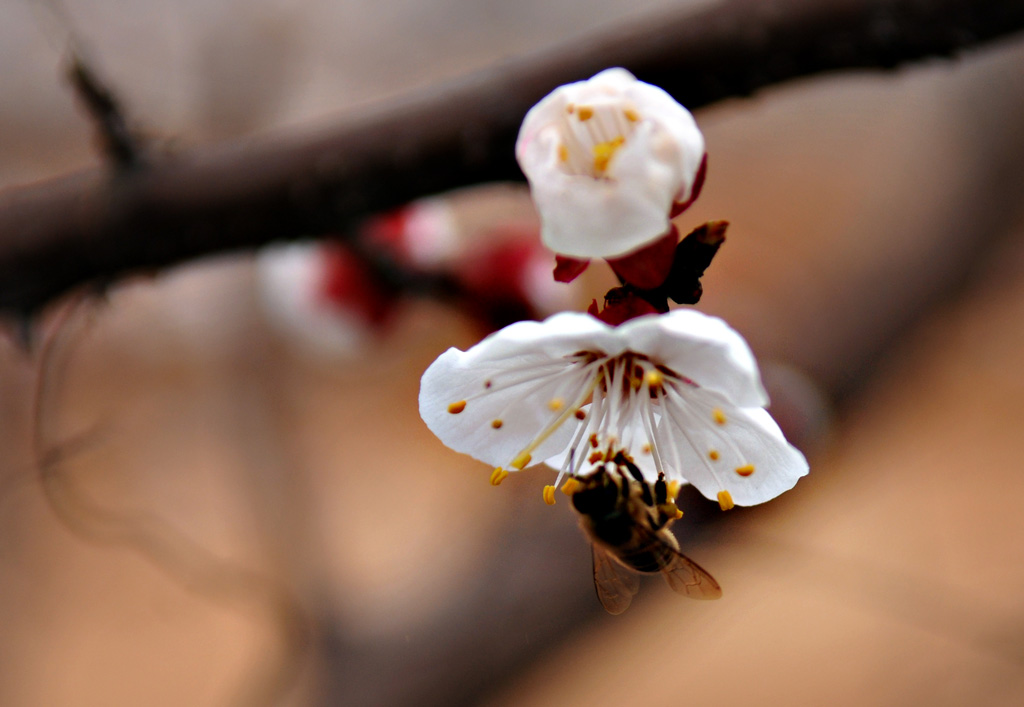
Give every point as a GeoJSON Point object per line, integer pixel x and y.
{"type": "Point", "coordinates": [243, 510]}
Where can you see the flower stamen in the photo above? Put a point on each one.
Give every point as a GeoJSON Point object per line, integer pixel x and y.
{"type": "Point", "coordinates": [648, 421]}
{"type": "Point", "coordinates": [673, 412]}
{"type": "Point", "coordinates": [662, 399]}
{"type": "Point", "coordinates": [654, 379]}
{"type": "Point", "coordinates": [604, 151]}
{"type": "Point", "coordinates": [549, 495]}
{"type": "Point", "coordinates": [589, 142]}
{"type": "Point", "coordinates": [673, 490]}
{"type": "Point", "coordinates": [521, 461]}
{"type": "Point", "coordinates": [570, 463]}
{"type": "Point", "coordinates": [725, 501]}
{"type": "Point", "coordinates": [524, 456]}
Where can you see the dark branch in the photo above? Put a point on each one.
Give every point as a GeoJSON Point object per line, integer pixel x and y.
{"type": "Point", "coordinates": [98, 224]}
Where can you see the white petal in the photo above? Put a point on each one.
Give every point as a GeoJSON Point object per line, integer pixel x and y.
{"type": "Point", "coordinates": [749, 437]}
{"type": "Point", "coordinates": [523, 409]}
{"type": "Point", "coordinates": [554, 338]}
{"type": "Point", "coordinates": [590, 218]}
{"type": "Point", "coordinates": [516, 351]}
{"type": "Point", "coordinates": [686, 140]}
{"type": "Point", "coordinates": [704, 349]}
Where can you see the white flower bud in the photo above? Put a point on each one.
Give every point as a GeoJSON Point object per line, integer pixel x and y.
{"type": "Point", "coordinates": [606, 160]}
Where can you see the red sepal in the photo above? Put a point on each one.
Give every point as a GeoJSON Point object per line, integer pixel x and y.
{"type": "Point", "coordinates": [568, 269]}
{"type": "Point", "coordinates": [648, 268]}
{"type": "Point", "coordinates": [348, 284]}
{"type": "Point", "coordinates": [387, 231]}
{"type": "Point", "coordinates": [495, 275]}
{"type": "Point", "coordinates": [620, 306]}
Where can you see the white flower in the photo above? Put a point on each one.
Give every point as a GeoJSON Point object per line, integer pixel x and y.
{"type": "Point", "coordinates": [680, 393]}
{"type": "Point", "coordinates": [295, 286]}
{"type": "Point", "coordinates": [606, 160]}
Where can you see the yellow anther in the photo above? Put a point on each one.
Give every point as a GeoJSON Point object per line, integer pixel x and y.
{"type": "Point", "coordinates": [655, 379]}
{"type": "Point", "coordinates": [673, 489]}
{"type": "Point", "coordinates": [570, 486]}
{"type": "Point", "coordinates": [570, 108]}
{"type": "Point", "coordinates": [496, 424]}
{"type": "Point", "coordinates": [585, 113]}
{"type": "Point", "coordinates": [713, 455]}
{"type": "Point", "coordinates": [456, 408]}
{"type": "Point", "coordinates": [593, 440]}
{"type": "Point", "coordinates": [549, 495]}
{"type": "Point", "coordinates": [718, 416]}
{"type": "Point", "coordinates": [563, 153]}
{"type": "Point", "coordinates": [670, 510]}
{"type": "Point", "coordinates": [604, 151]}
{"type": "Point", "coordinates": [745, 470]}
{"type": "Point", "coordinates": [580, 415]}
{"type": "Point", "coordinates": [497, 476]}
{"type": "Point", "coordinates": [556, 404]}
{"type": "Point", "coordinates": [631, 115]}
{"type": "Point", "coordinates": [521, 461]}
{"type": "Point", "coordinates": [595, 457]}
{"type": "Point", "coordinates": [725, 500]}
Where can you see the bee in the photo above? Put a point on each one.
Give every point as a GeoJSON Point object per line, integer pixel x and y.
{"type": "Point", "coordinates": [627, 520]}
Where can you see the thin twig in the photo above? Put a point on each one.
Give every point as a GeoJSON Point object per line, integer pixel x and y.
{"type": "Point", "coordinates": [119, 144]}
{"type": "Point", "coordinates": [181, 558]}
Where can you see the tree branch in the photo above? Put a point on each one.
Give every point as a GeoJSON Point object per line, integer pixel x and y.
{"type": "Point", "coordinates": [98, 224]}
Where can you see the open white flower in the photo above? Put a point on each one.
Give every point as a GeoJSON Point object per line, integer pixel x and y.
{"type": "Point", "coordinates": [606, 160]}
{"type": "Point", "coordinates": [679, 393]}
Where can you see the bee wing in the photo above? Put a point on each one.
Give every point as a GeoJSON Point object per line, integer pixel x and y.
{"type": "Point", "coordinates": [616, 586]}
{"type": "Point", "coordinates": [688, 578]}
